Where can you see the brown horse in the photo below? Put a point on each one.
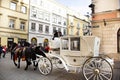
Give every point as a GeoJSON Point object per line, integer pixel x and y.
{"type": "Point", "coordinates": [29, 53]}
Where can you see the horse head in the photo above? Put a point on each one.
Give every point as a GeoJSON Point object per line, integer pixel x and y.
{"type": "Point", "coordinates": [40, 51]}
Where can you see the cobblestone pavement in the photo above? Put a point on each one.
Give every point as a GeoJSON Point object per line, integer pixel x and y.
{"type": "Point", "coordinates": [8, 71]}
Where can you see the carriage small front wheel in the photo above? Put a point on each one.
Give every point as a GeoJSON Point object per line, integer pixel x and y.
{"type": "Point", "coordinates": [97, 68]}
{"type": "Point", "coordinates": [45, 65]}
{"type": "Point", "coordinates": [58, 63]}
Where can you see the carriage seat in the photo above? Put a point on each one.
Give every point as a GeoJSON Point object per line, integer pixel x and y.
{"type": "Point", "coordinates": [55, 44]}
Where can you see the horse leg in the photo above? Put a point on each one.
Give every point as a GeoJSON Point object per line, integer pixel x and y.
{"type": "Point", "coordinates": [27, 64]}
{"type": "Point", "coordinates": [35, 65]}
{"type": "Point", "coordinates": [14, 58]}
{"type": "Point", "coordinates": [12, 55]}
{"type": "Point", "coordinates": [19, 62]}
{"type": "Point", "coordinates": [0, 54]}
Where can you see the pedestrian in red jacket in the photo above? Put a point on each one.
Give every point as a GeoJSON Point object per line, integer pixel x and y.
{"type": "Point", "coordinates": [4, 51]}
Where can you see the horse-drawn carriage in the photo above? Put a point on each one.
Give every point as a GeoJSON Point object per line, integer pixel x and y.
{"type": "Point", "coordinates": [75, 54]}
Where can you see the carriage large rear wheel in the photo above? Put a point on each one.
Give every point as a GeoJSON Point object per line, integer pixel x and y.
{"type": "Point", "coordinates": [97, 68]}
{"type": "Point", "coordinates": [45, 65]}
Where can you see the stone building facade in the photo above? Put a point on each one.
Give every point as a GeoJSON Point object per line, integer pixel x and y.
{"type": "Point", "coordinates": [13, 21]}
{"type": "Point", "coordinates": [106, 24]}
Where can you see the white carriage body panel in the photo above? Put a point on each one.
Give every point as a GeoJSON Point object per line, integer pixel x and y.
{"type": "Point", "coordinates": [89, 46]}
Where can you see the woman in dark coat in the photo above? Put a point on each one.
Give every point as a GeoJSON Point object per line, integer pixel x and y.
{"type": "Point", "coordinates": [0, 50]}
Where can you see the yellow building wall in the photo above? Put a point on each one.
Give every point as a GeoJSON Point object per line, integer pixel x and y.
{"type": "Point", "coordinates": [16, 40]}
{"type": "Point", "coordinates": [72, 29]}
{"type": "Point", "coordinates": [4, 41]}
{"type": "Point", "coordinates": [6, 14]}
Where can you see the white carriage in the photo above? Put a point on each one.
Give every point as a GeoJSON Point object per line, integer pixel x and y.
{"type": "Point", "coordinates": [75, 54]}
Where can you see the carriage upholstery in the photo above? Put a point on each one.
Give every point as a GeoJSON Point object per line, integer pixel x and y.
{"type": "Point", "coordinates": [55, 44]}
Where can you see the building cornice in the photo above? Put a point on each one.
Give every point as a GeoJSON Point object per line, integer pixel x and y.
{"type": "Point", "coordinates": [107, 20]}
{"type": "Point", "coordinates": [105, 12]}
{"type": "Point", "coordinates": [12, 16]}
{"type": "Point", "coordinates": [14, 32]}
{"type": "Point", "coordinates": [23, 19]}
{"type": "Point", "coordinates": [40, 34]}
{"type": "Point", "coordinates": [40, 21]}
{"type": "Point", "coordinates": [8, 30]}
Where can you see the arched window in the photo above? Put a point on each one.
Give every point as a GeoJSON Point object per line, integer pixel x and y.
{"type": "Point", "coordinates": [45, 42]}
{"type": "Point", "coordinates": [118, 40]}
{"type": "Point", "coordinates": [34, 41]}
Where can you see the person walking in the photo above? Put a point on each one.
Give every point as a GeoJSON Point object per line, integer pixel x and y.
{"type": "Point", "coordinates": [4, 51]}
{"type": "Point", "coordinates": [0, 50]}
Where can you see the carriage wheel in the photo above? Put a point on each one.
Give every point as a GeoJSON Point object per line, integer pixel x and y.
{"type": "Point", "coordinates": [58, 63]}
{"type": "Point", "coordinates": [45, 65]}
{"type": "Point", "coordinates": [97, 68]}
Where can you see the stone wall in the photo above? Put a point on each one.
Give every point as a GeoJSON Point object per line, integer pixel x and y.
{"type": "Point", "coordinates": [108, 35]}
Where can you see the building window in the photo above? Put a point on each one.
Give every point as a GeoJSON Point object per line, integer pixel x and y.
{"type": "Point", "coordinates": [78, 25]}
{"type": "Point", "coordinates": [40, 15]}
{"type": "Point", "coordinates": [11, 23]}
{"type": "Point", "coordinates": [59, 29]}
{"type": "Point", "coordinates": [54, 28]}
{"type": "Point", "coordinates": [41, 3]}
{"type": "Point", "coordinates": [77, 33]}
{"type": "Point", "coordinates": [34, 12]}
{"type": "Point", "coordinates": [64, 21]}
{"type": "Point", "coordinates": [64, 31]}
{"type": "Point", "coordinates": [118, 40]}
{"type": "Point", "coordinates": [40, 27]}
{"type": "Point", "coordinates": [47, 17]}
{"type": "Point", "coordinates": [23, 9]}
{"type": "Point", "coordinates": [54, 18]}
{"type": "Point", "coordinates": [47, 29]}
{"type": "Point", "coordinates": [59, 19]}
{"type": "Point", "coordinates": [13, 5]}
{"type": "Point", "coordinates": [33, 26]}
{"type": "Point", "coordinates": [22, 25]}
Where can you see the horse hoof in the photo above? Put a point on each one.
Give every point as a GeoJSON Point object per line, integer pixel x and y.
{"type": "Point", "coordinates": [18, 67]}
{"type": "Point", "coordinates": [29, 63]}
{"type": "Point", "coordinates": [35, 68]}
{"type": "Point", "coordinates": [15, 64]}
{"type": "Point", "coordinates": [25, 69]}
